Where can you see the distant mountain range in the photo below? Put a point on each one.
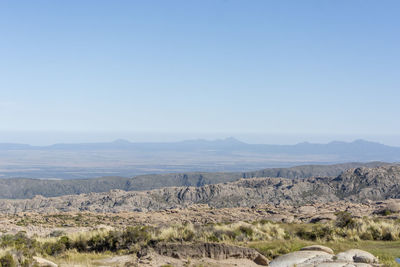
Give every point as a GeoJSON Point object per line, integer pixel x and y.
{"type": "Point", "coordinates": [358, 148]}
{"type": "Point", "coordinates": [125, 158]}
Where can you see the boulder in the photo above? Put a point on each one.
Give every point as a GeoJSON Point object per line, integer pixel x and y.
{"type": "Point", "coordinates": [261, 260]}
{"type": "Point", "coordinates": [356, 255]}
{"type": "Point", "coordinates": [301, 258]}
{"type": "Point", "coordinates": [318, 248]}
{"type": "Point", "coordinates": [332, 264]}
{"type": "Point", "coordinates": [215, 251]}
{"type": "Point", "coordinates": [393, 206]}
{"type": "Point", "coordinates": [43, 262]}
{"type": "Point", "coordinates": [307, 210]}
{"type": "Point", "coordinates": [342, 264]}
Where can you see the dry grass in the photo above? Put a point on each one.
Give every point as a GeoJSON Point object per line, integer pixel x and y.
{"type": "Point", "coordinates": [175, 232]}
{"type": "Point", "coordinates": [381, 237]}
{"type": "Point", "coordinates": [72, 257]}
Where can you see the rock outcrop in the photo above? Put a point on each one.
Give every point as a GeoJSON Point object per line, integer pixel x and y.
{"type": "Point", "coordinates": [320, 256]}
{"type": "Point", "coordinates": [23, 188]}
{"type": "Point", "coordinates": [215, 251]}
{"type": "Point", "coordinates": [356, 185]}
{"type": "Point", "coordinates": [43, 262]}
{"type": "Point", "coordinates": [311, 256]}
{"type": "Point", "coordinates": [318, 248]}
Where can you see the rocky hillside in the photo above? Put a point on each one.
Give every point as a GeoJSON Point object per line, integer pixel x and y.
{"type": "Point", "coordinates": [356, 185]}
{"type": "Point", "coordinates": [20, 188]}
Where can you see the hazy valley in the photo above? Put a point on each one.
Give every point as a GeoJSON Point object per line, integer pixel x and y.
{"type": "Point", "coordinates": [127, 159]}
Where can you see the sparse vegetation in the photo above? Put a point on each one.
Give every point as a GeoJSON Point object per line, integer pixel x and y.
{"type": "Point", "coordinates": [7, 261]}
{"type": "Point", "coordinates": [271, 239]}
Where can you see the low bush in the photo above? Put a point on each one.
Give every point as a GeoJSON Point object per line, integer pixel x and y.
{"type": "Point", "coordinates": [7, 261]}
{"type": "Point", "coordinates": [344, 219]}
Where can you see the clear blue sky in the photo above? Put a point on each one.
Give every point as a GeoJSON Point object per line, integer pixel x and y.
{"type": "Point", "coordinates": [291, 67]}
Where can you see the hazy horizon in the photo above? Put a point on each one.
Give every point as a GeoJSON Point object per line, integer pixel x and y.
{"type": "Point", "coordinates": [50, 138]}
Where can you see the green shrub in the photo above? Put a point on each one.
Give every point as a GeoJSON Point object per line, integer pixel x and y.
{"type": "Point", "coordinates": [99, 243]}
{"type": "Point", "coordinates": [7, 261]}
{"type": "Point", "coordinates": [20, 242]}
{"type": "Point", "coordinates": [321, 232]}
{"type": "Point", "coordinates": [306, 234]}
{"type": "Point", "coordinates": [54, 249]}
{"type": "Point", "coordinates": [366, 236]}
{"type": "Point", "coordinates": [138, 234]}
{"type": "Point", "coordinates": [248, 231]}
{"type": "Point", "coordinates": [80, 244]}
{"type": "Point", "coordinates": [344, 219]}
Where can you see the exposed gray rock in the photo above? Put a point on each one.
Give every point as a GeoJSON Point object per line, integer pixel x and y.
{"type": "Point", "coordinates": [261, 260]}
{"type": "Point", "coordinates": [393, 206]}
{"type": "Point", "coordinates": [341, 264]}
{"type": "Point", "coordinates": [356, 185]}
{"type": "Point", "coordinates": [43, 262]}
{"type": "Point", "coordinates": [318, 248]}
{"type": "Point", "coordinates": [307, 258]}
{"type": "Point", "coordinates": [357, 255]}
{"type": "Point", "coordinates": [315, 256]}
{"type": "Point", "coordinates": [208, 250]}
{"type": "Point", "coordinates": [22, 188]}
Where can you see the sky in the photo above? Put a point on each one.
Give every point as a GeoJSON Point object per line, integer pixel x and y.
{"type": "Point", "coordinates": [314, 70]}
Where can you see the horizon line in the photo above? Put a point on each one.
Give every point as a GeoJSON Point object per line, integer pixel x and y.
{"type": "Point", "coordinates": [229, 138]}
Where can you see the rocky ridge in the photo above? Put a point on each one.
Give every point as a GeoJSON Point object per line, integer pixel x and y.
{"type": "Point", "coordinates": [355, 185]}
{"type": "Point", "coordinates": [23, 188]}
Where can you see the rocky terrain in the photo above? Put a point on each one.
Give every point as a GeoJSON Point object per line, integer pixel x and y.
{"type": "Point", "coordinates": [347, 220]}
{"type": "Point", "coordinates": [228, 255]}
{"type": "Point", "coordinates": [356, 185]}
{"type": "Point", "coordinates": [34, 223]}
{"type": "Point", "coordinates": [20, 188]}
{"type": "Point", "coordinates": [200, 235]}
{"type": "Point", "coordinates": [178, 237]}
{"type": "Point", "coordinates": [215, 254]}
